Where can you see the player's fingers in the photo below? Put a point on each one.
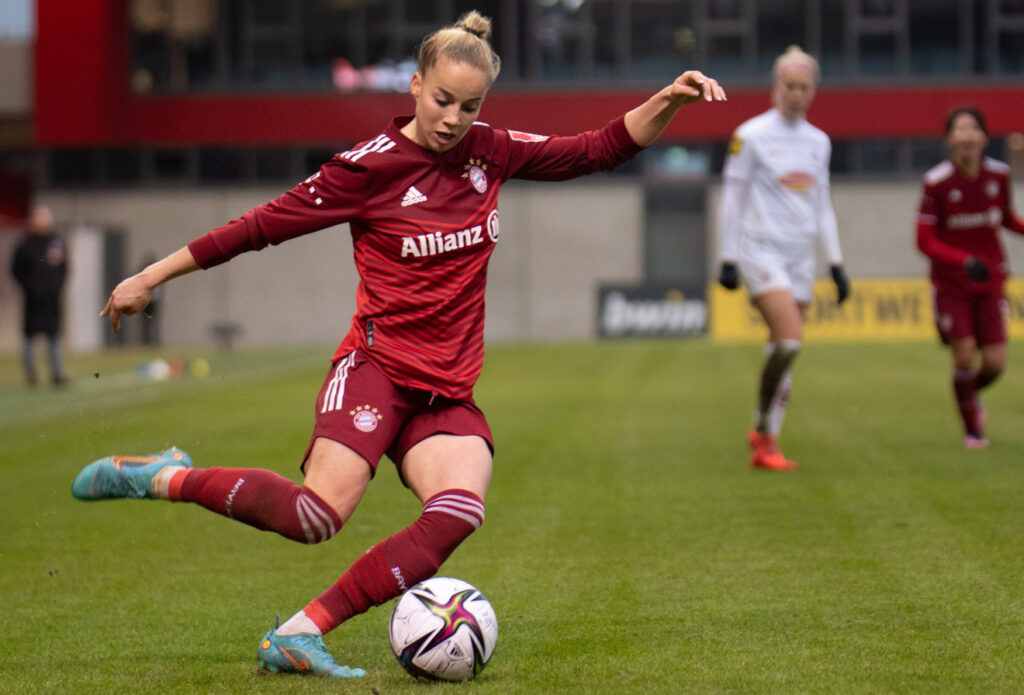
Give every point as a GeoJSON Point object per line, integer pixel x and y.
{"type": "Point", "coordinates": [114, 313]}
{"type": "Point", "coordinates": [713, 91]}
{"type": "Point", "coordinates": [688, 83]}
{"type": "Point", "coordinates": [693, 84]}
{"type": "Point", "coordinates": [709, 87]}
{"type": "Point", "coordinates": [687, 91]}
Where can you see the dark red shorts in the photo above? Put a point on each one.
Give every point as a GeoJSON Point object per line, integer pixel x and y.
{"type": "Point", "coordinates": [960, 314]}
{"type": "Point", "coordinates": [363, 409]}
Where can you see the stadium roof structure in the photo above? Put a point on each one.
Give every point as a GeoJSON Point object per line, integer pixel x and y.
{"type": "Point", "coordinates": [83, 97]}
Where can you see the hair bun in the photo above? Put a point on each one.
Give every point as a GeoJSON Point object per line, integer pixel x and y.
{"type": "Point", "coordinates": [475, 23]}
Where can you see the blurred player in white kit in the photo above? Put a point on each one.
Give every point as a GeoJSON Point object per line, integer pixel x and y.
{"type": "Point", "coordinates": [775, 203]}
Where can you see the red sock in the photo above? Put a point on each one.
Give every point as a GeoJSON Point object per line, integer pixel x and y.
{"type": "Point", "coordinates": [984, 377]}
{"type": "Point", "coordinates": [966, 401]}
{"type": "Point", "coordinates": [397, 563]}
{"type": "Point", "coordinates": [259, 498]}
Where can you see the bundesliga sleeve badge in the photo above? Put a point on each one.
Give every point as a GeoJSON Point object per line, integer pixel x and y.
{"type": "Point", "coordinates": [526, 137]}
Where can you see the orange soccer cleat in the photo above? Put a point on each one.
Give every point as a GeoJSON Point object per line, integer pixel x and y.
{"type": "Point", "coordinates": [767, 454]}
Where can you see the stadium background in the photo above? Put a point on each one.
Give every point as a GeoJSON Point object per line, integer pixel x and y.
{"type": "Point", "coordinates": [143, 123]}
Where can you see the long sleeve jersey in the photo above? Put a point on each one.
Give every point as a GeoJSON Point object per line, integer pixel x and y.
{"type": "Point", "coordinates": [776, 186]}
{"type": "Point", "coordinates": [960, 217]}
{"type": "Point", "coordinates": [423, 227]}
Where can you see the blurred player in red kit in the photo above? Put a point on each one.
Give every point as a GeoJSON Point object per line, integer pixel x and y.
{"type": "Point", "coordinates": [421, 202]}
{"type": "Point", "coordinates": [965, 202]}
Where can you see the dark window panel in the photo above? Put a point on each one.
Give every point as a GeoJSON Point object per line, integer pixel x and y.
{"type": "Point", "coordinates": [122, 165]}
{"type": "Point", "coordinates": [879, 156]}
{"type": "Point", "coordinates": [924, 154]}
{"type": "Point", "coordinates": [171, 165]}
{"type": "Point", "coordinates": [73, 166]}
{"type": "Point", "coordinates": [223, 165]}
{"type": "Point", "coordinates": [273, 164]}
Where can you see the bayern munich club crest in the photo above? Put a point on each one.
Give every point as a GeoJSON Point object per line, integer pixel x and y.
{"type": "Point", "coordinates": [365, 418]}
{"type": "Point", "coordinates": [474, 171]}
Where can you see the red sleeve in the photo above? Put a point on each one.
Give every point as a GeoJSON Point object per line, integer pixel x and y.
{"type": "Point", "coordinates": [937, 251]}
{"type": "Point", "coordinates": [558, 158]}
{"type": "Point", "coordinates": [927, 237]}
{"type": "Point", "coordinates": [331, 196]}
{"type": "Point", "coordinates": [1010, 219]}
{"type": "Point", "coordinates": [1012, 222]}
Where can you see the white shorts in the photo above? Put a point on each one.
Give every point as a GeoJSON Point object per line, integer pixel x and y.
{"type": "Point", "coordinates": [766, 266]}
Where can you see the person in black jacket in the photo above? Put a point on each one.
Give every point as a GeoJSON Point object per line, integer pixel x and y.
{"type": "Point", "coordinates": [40, 267]}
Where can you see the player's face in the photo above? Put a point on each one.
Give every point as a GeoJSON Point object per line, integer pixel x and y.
{"type": "Point", "coordinates": [448, 99]}
{"type": "Point", "coordinates": [794, 90]}
{"type": "Point", "coordinates": [41, 221]}
{"type": "Point", "coordinates": [966, 139]}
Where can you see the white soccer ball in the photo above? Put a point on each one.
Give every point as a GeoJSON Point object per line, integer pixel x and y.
{"type": "Point", "coordinates": [443, 629]}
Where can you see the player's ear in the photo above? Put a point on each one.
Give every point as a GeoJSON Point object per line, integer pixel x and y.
{"type": "Point", "coordinates": [415, 85]}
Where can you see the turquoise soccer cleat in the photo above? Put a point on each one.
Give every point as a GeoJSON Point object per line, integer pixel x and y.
{"type": "Point", "coordinates": [303, 653]}
{"type": "Point", "coordinates": [125, 476]}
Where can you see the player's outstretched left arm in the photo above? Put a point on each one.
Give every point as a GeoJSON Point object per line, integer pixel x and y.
{"type": "Point", "coordinates": [133, 294]}
{"type": "Point", "coordinates": [646, 122]}
{"type": "Point", "coordinates": [1013, 222]}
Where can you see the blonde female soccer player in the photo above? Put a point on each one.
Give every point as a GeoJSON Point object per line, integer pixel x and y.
{"type": "Point", "coordinates": [421, 201]}
{"type": "Point", "coordinates": [775, 203]}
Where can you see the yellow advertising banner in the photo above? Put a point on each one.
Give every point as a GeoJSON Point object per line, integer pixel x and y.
{"type": "Point", "coordinates": [877, 309]}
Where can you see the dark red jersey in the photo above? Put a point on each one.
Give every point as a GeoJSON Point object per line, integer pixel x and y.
{"type": "Point", "coordinates": [423, 228]}
{"type": "Point", "coordinates": [960, 217]}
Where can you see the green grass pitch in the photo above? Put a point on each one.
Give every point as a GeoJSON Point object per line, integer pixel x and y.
{"type": "Point", "coordinates": [628, 548]}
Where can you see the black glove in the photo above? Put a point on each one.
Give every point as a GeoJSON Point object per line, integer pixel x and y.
{"type": "Point", "coordinates": [976, 269]}
{"type": "Point", "coordinates": [728, 277]}
{"type": "Point", "coordinates": [842, 283]}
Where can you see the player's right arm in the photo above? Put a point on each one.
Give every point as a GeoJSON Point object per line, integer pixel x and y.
{"type": "Point", "coordinates": [335, 194]}
{"type": "Point", "coordinates": [332, 195]}
{"type": "Point", "coordinates": [938, 251]}
{"type": "Point", "coordinates": [133, 294]}
{"type": "Point", "coordinates": [927, 233]}
{"type": "Point", "coordinates": [20, 266]}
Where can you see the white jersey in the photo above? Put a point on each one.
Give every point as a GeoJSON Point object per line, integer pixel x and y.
{"type": "Point", "coordinates": [776, 187]}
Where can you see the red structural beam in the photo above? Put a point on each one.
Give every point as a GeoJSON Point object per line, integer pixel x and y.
{"type": "Point", "coordinates": [82, 98]}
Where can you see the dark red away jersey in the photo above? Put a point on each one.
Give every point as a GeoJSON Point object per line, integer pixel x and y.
{"type": "Point", "coordinates": [423, 228]}
{"type": "Point", "coordinates": [961, 217]}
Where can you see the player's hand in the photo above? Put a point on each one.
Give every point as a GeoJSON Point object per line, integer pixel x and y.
{"type": "Point", "coordinates": [131, 296]}
{"type": "Point", "coordinates": [842, 283]}
{"type": "Point", "coordinates": [976, 269]}
{"type": "Point", "coordinates": [693, 85]}
{"type": "Point", "coordinates": [728, 276]}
